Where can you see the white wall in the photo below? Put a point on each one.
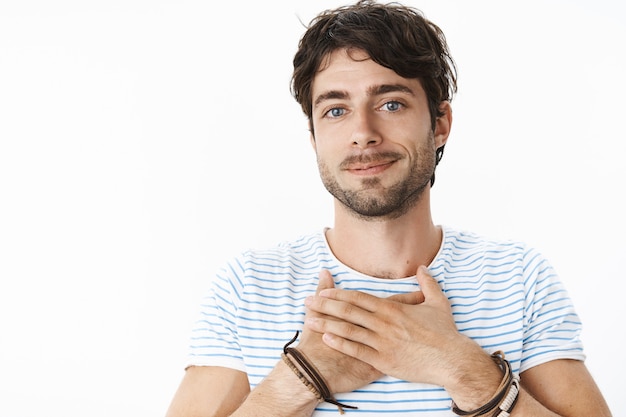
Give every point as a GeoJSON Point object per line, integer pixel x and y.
{"type": "Point", "coordinates": [143, 142]}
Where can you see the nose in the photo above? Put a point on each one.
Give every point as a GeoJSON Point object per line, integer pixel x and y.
{"type": "Point", "coordinates": [365, 132]}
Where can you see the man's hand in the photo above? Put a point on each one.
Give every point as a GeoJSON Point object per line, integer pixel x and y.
{"type": "Point", "coordinates": [409, 336]}
{"type": "Point", "coordinates": [343, 373]}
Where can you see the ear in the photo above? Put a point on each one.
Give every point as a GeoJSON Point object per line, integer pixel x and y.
{"type": "Point", "coordinates": [443, 124]}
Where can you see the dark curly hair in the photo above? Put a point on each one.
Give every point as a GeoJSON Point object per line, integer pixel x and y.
{"type": "Point", "coordinates": [394, 36]}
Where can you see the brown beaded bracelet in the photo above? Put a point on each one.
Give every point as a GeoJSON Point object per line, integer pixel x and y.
{"type": "Point", "coordinates": [301, 377]}
{"type": "Point", "coordinates": [315, 382]}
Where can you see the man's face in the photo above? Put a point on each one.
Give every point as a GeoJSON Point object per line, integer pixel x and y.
{"type": "Point", "coordinates": [373, 138]}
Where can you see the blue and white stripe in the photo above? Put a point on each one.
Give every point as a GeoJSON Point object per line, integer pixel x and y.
{"type": "Point", "coordinates": [503, 295]}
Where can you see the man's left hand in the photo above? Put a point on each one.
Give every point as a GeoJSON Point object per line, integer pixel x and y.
{"type": "Point", "coordinates": [409, 336]}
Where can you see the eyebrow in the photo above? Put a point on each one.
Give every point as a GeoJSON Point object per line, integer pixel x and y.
{"type": "Point", "coordinates": [375, 90]}
{"type": "Point", "coordinates": [330, 95]}
{"type": "Point", "coordinates": [378, 90]}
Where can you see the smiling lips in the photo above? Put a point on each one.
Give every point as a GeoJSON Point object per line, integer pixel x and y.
{"type": "Point", "coordinates": [369, 164]}
{"type": "Point", "coordinates": [370, 169]}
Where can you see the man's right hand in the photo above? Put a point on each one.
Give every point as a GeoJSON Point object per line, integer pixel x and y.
{"type": "Point", "coordinates": [341, 372]}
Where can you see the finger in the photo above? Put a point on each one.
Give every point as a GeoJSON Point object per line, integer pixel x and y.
{"type": "Point", "coordinates": [341, 328]}
{"type": "Point", "coordinates": [325, 281]}
{"type": "Point", "coordinates": [349, 347]}
{"type": "Point", "coordinates": [429, 286]}
{"type": "Point", "coordinates": [411, 298]}
{"type": "Point", "coordinates": [344, 307]}
{"type": "Point", "coordinates": [358, 299]}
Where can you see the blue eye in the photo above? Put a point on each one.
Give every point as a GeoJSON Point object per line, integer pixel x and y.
{"type": "Point", "coordinates": [336, 112]}
{"type": "Point", "coordinates": [392, 106]}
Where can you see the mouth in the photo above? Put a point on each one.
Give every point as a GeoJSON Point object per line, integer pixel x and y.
{"type": "Point", "coordinates": [370, 168]}
{"type": "Point", "coordinates": [371, 164]}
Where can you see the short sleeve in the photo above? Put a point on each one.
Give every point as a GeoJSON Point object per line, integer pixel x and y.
{"type": "Point", "coordinates": [551, 326]}
{"type": "Point", "coordinates": [214, 338]}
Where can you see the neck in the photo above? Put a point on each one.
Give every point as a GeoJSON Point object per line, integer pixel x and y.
{"type": "Point", "coordinates": [392, 248]}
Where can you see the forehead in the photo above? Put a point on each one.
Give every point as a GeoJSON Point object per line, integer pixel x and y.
{"type": "Point", "coordinates": [353, 71]}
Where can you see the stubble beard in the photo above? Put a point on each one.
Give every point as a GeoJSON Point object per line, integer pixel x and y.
{"type": "Point", "coordinates": [372, 202]}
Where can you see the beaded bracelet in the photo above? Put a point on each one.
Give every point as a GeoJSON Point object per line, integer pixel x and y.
{"type": "Point", "coordinates": [501, 397]}
{"type": "Point", "coordinates": [315, 382]}
{"type": "Point", "coordinates": [301, 377]}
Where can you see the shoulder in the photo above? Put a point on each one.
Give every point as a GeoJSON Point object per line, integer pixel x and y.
{"type": "Point", "coordinates": [466, 252]}
{"type": "Point", "coordinates": [292, 257]}
{"type": "Point", "coordinates": [460, 244]}
{"type": "Point", "coordinates": [464, 239]}
{"type": "Point", "coordinates": [303, 248]}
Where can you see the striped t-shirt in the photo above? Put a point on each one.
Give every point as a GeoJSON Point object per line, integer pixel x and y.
{"type": "Point", "coordinates": [504, 295]}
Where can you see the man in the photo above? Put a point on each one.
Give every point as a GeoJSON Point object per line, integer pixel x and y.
{"type": "Point", "coordinates": [397, 316]}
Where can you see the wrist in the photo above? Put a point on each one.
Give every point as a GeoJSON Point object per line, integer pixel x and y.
{"type": "Point", "coordinates": [285, 393]}
{"type": "Point", "coordinates": [474, 379]}
{"type": "Point", "coordinates": [502, 402]}
{"type": "Point", "coordinates": [309, 375]}
{"type": "Point", "coordinates": [280, 394]}
{"type": "Point", "coordinates": [294, 385]}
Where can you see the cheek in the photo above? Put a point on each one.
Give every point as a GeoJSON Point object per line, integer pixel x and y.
{"type": "Point", "coordinates": [326, 143]}
{"type": "Point", "coordinates": [325, 155]}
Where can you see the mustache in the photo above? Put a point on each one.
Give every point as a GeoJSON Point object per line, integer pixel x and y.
{"type": "Point", "coordinates": [369, 158]}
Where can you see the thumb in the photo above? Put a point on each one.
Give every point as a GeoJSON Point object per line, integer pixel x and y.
{"type": "Point", "coordinates": [415, 297]}
{"type": "Point", "coordinates": [428, 285]}
{"type": "Point", "coordinates": [325, 281]}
